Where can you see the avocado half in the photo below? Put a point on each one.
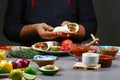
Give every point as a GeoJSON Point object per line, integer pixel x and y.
{"type": "Point", "coordinates": [49, 72]}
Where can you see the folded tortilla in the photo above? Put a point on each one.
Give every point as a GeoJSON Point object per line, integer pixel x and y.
{"type": "Point", "coordinates": [70, 28]}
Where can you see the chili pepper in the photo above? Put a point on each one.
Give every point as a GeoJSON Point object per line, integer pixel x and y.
{"type": "Point", "coordinates": [5, 47]}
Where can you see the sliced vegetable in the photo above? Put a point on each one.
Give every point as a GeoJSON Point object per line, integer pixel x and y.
{"type": "Point", "coordinates": [5, 47]}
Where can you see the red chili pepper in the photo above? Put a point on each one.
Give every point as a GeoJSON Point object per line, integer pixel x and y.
{"type": "Point", "coordinates": [5, 47]}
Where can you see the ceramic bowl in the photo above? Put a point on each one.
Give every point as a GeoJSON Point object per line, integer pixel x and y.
{"type": "Point", "coordinates": [90, 59]}
{"type": "Point", "coordinates": [43, 60]}
{"type": "Point", "coordinates": [109, 50]}
{"type": "Point", "coordinates": [105, 60]}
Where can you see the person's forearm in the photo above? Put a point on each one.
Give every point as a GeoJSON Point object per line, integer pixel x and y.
{"type": "Point", "coordinates": [28, 31]}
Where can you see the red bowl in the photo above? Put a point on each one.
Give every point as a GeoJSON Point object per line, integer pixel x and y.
{"type": "Point", "coordinates": [105, 60]}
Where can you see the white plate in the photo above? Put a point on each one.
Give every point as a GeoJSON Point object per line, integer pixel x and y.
{"type": "Point", "coordinates": [54, 52]}
{"type": "Point", "coordinates": [4, 75]}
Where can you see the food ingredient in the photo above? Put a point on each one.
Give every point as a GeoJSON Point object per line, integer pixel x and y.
{"type": "Point", "coordinates": [25, 53]}
{"type": "Point", "coordinates": [54, 48]}
{"type": "Point", "coordinates": [2, 71]}
{"type": "Point", "coordinates": [30, 70]}
{"type": "Point", "coordinates": [6, 65]}
{"type": "Point", "coordinates": [41, 46]}
{"type": "Point", "coordinates": [2, 54]}
{"type": "Point", "coordinates": [5, 47]}
{"type": "Point", "coordinates": [66, 43]}
{"type": "Point", "coordinates": [16, 74]}
{"type": "Point", "coordinates": [49, 67]}
{"type": "Point", "coordinates": [29, 76]}
{"type": "Point", "coordinates": [20, 63]}
{"type": "Point", "coordinates": [72, 27]}
{"type": "Point", "coordinates": [110, 49]}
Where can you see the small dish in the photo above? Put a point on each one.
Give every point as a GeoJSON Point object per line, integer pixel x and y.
{"type": "Point", "coordinates": [109, 50]}
{"type": "Point", "coordinates": [43, 60]}
{"type": "Point", "coordinates": [105, 60]}
{"type": "Point", "coordinates": [90, 59]}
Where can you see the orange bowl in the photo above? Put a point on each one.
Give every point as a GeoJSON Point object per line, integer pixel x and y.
{"type": "Point", "coordinates": [78, 50]}
{"type": "Point", "coordinates": [105, 60]}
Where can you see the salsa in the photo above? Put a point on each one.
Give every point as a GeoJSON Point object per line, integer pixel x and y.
{"type": "Point", "coordinates": [77, 51]}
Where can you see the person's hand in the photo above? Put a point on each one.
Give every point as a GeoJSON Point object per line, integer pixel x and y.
{"type": "Point", "coordinates": [45, 31]}
{"type": "Point", "coordinates": [65, 23]}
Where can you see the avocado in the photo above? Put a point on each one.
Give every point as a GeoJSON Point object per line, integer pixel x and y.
{"type": "Point", "coordinates": [49, 72]}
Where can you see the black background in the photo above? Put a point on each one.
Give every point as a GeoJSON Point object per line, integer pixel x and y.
{"type": "Point", "coordinates": [108, 15]}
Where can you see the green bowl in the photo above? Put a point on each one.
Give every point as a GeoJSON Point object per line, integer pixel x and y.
{"type": "Point", "coordinates": [49, 72]}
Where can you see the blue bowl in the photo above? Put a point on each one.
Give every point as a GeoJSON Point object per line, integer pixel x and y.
{"type": "Point", "coordinates": [107, 50]}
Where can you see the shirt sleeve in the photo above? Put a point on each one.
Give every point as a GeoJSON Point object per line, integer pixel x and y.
{"type": "Point", "coordinates": [13, 20]}
{"type": "Point", "coordinates": [86, 17]}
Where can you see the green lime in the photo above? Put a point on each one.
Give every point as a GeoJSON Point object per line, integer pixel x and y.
{"type": "Point", "coordinates": [54, 48]}
{"type": "Point", "coordinates": [29, 76]}
{"type": "Point", "coordinates": [30, 70]}
{"type": "Point", "coordinates": [2, 71]}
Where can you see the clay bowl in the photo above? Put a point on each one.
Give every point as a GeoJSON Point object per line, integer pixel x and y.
{"type": "Point", "coordinates": [105, 61]}
{"type": "Point", "coordinates": [109, 50]}
{"type": "Point", "coordinates": [43, 60]}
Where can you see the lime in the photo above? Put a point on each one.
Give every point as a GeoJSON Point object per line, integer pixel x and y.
{"type": "Point", "coordinates": [2, 71]}
{"type": "Point", "coordinates": [30, 70]}
{"type": "Point", "coordinates": [29, 76]}
{"type": "Point", "coordinates": [54, 48]}
{"type": "Point", "coordinates": [16, 74]}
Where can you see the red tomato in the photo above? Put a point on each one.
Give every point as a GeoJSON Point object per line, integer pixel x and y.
{"type": "Point", "coordinates": [66, 43]}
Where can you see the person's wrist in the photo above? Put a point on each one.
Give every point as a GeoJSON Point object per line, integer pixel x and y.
{"type": "Point", "coordinates": [35, 28]}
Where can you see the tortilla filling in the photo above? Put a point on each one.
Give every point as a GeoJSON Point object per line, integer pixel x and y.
{"type": "Point", "coordinates": [41, 46]}
{"type": "Point", "coordinates": [72, 27]}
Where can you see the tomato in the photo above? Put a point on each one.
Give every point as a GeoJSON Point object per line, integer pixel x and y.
{"type": "Point", "coordinates": [66, 43]}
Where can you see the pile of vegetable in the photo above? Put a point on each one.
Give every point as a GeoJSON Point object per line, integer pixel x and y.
{"type": "Point", "coordinates": [25, 53]}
